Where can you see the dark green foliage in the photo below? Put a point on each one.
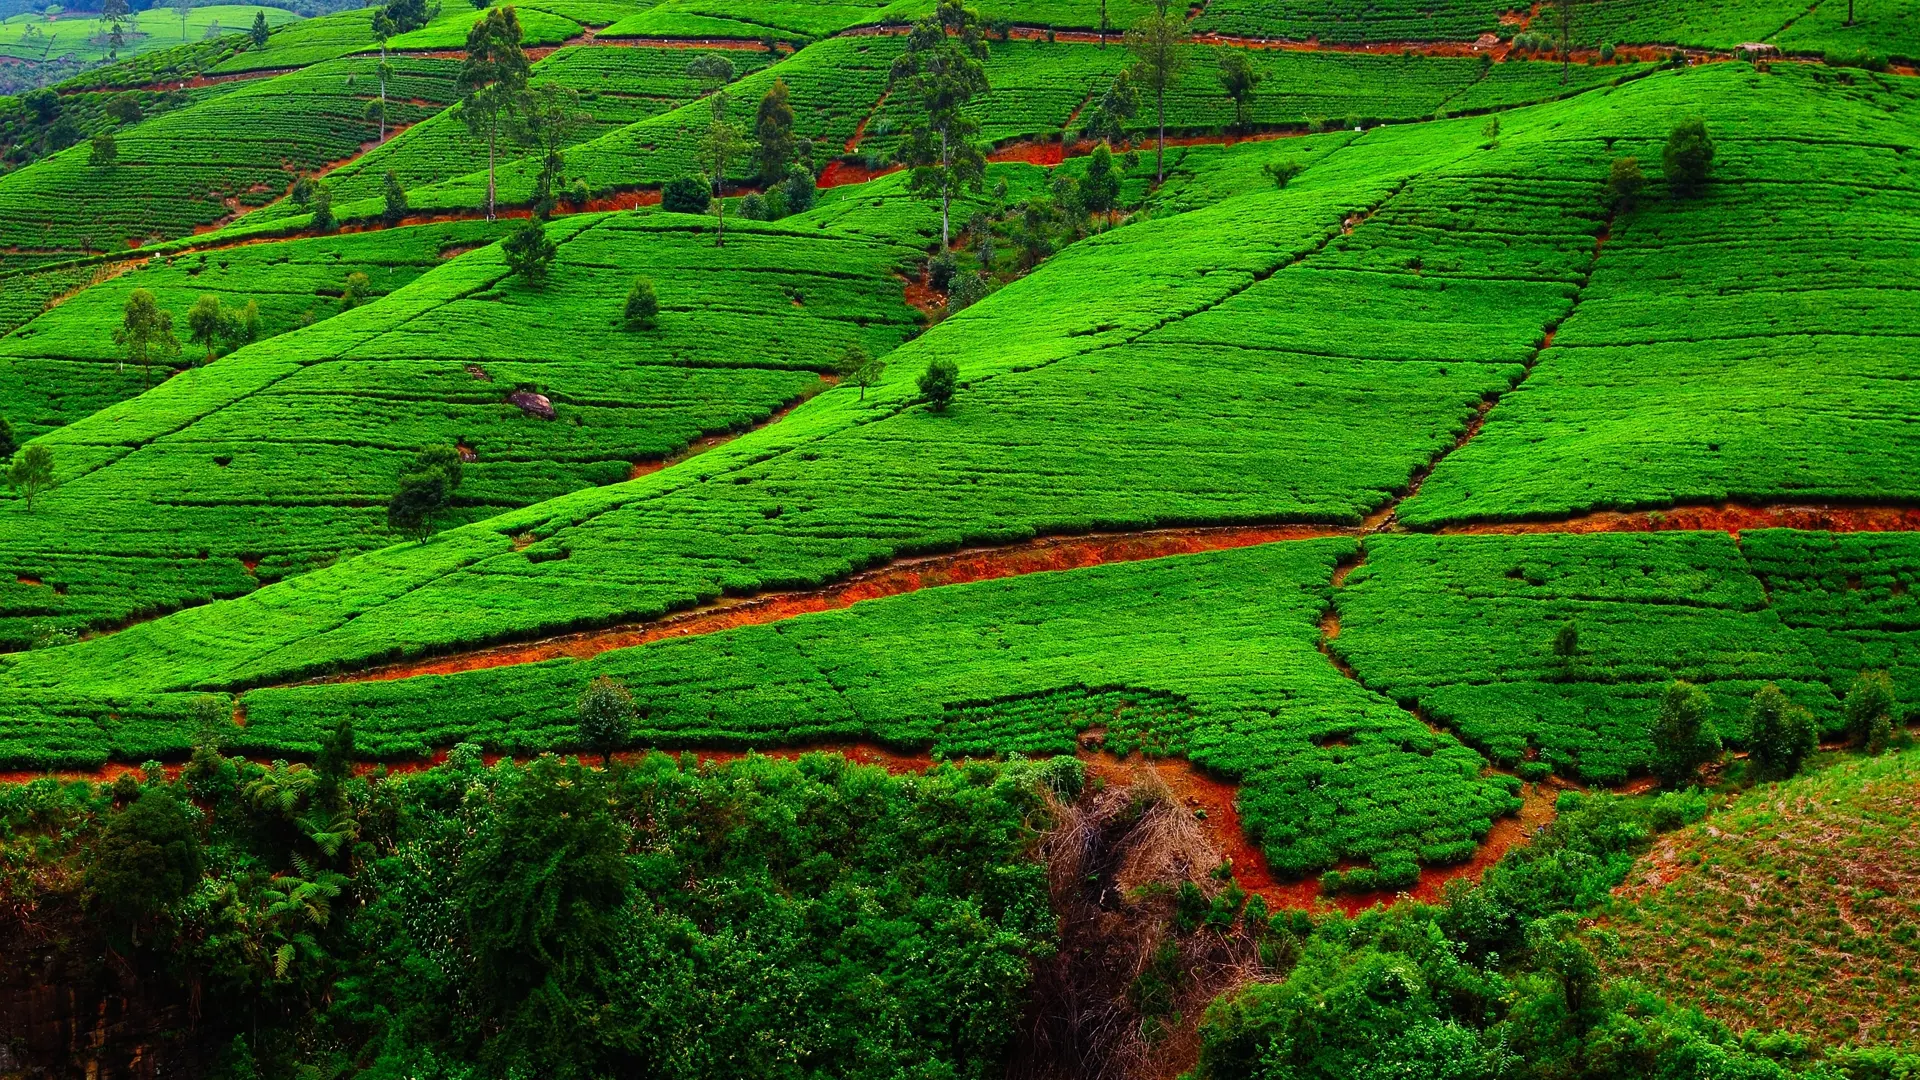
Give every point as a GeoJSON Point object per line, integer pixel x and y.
{"type": "Point", "coordinates": [687, 195]}
{"type": "Point", "coordinates": [258, 32]}
{"type": "Point", "coordinates": [1869, 710]}
{"type": "Point", "coordinates": [354, 292]}
{"type": "Point", "coordinates": [1687, 156]}
{"type": "Point", "coordinates": [424, 490]}
{"type": "Point", "coordinates": [757, 919]}
{"type": "Point", "coordinates": [606, 715]}
{"type": "Point", "coordinates": [148, 857]}
{"type": "Point", "coordinates": [773, 134]}
{"type": "Point", "coordinates": [125, 108]}
{"type": "Point", "coordinates": [396, 199]}
{"type": "Point", "coordinates": [938, 383]}
{"type": "Point", "coordinates": [941, 71]}
{"type": "Point", "coordinates": [31, 472]}
{"type": "Point", "coordinates": [8, 444]}
{"type": "Point", "coordinates": [1624, 181]}
{"type": "Point", "coordinates": [1283, 172]}
{"type": "Point", "coordinates": [321, 205]}
{"type": "Point", "coordinates": [642, 311]}
{"type": "Point", "coordinates": [799, 189]}
{"type": "Point", "coordinates": [1780, 734]}
{"type": "Point", "coordinates": [529, 252]}
{"type": "Point", "coordinates": [1239, 79]}
{"type": "Point", "coordinates": [859, 368]}
{"type": "Point", "coordinates": [1100, 187]}
{"type": "Point", "coordinates": [1683, 737]}
{"type": "Point", "coordinates": [104, 152]}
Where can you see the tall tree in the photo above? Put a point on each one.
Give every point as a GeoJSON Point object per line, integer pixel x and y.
{"type": "Point", "coordinates": [493, 83]}
{"type": "Point", "coordinates": [383, 28]}
{"type": "Point", "coordinates": [773, 130]}
{"type": "Point", "coordinates": [606, 716]}
{"type": "Point", "coordinates": [1239, 79]}
{"type": "Point", "coordinates": [114, 13]}
{"type": "Point", "coordinates": [1687, 156]}
{"type": "Point", "coordinates": [207, 323]}
{"type": "Point", "coordinates": [183, 8]}
{"type": "Point", "coordinates": [723, 145]}
{"type": "Point", "coordinates": [146, 332]}
{"type": "Point", "coordinates": [1780, 734]}
{"type": "Point", "coordinates": [1563, 19]}
{"type": "Point", "coordinates": [942, 70]}
{"type": "Point", "coordinates": [713, 72]}
{"type": "Point", "coordinates": [1159, 46]}
{"type": "Point", "coordinates": [31, 472]}
{"type": "Point", "coordinates": [553, 118]}
{"type": "Point", "coordinates": [259, 31]}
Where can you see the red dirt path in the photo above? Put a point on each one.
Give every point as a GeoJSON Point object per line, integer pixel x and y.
{"type": "Point", "coordinates": [903, 576]}
{"type": "Point", "coordinates": [1730, 517]}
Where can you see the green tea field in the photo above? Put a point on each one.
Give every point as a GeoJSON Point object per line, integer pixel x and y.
{"type": "Point", "coordinates": [903, 540]}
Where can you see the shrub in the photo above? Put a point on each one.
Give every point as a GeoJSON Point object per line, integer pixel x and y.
{"type": "Point", "coordinates": [425, 488]}
{"type": "Point", "coordinates": [529, 252]}
{"type": "Point", "coordinates": [606, 716]}
{"type": "Point", "coordinates": [938, 383]}
{"type": "Point", "coordinates": [1683, 738]}
{"type": "Point", "coordinates": [968, 289]}
{"type": "Point", "coordinates": [396, 197]}
{"type": "Point", "coordinates": [7, 442]}
{"type": "Point", "coordinates": [643, 306]}
{"type": "Point", "coordinates": [754, 208]}
{"type": "Point", "coordinates": [798, 188]}
{"type": "Point", "coordinates": [104, 152]}
{"type": "Point", "coordinates": [1869, 711]}
{"type": "Point", "coordinates": [687, 195]}
{"type": "Point", "coordinates": [578, 195]}
{"type": "Point", "coordinates": [355, 292]}
{"type": "Point", "coordinates": [321, 203]}
{"type": "Point", "coordinates": [32, 472]}
{"type": "Point", "coordinates": [1283, 172]}
{"type": "Point", "coordinates": [940, 270]}
{"type": "Point", "coordinates": [1606, 52]}
{"type": "Point", "coordinates": [1624, 181]}
{"type": "Point", "coordinates": [1780, 734]}
{"type": "Point", "coordinates": [1688, 156]}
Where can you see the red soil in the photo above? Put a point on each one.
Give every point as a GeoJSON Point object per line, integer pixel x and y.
{"type": "Point", "coordinates": [906, 575]}
{"type": "Point", "coordinates": [1729, 517]}
{"type": "Point", "coordinates": [922, 295]}
{"type": "Point", "coordinates": [840, 173]}
{"type": "Point", "coordinates": [707, 442]}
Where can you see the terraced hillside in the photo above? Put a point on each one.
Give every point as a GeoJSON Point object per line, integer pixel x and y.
{"type": "Point", "coordinates": [1440, 469]}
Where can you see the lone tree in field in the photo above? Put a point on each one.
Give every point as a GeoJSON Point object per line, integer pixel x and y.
{"type": "Point", "coordinates": [773, 130]}
{"type": "Point", "coordinates": [398, 17]}
{"type": "Point", "coordinates": [1159, 46]}
{"type": "Point", "coordinates": [146, 333]}
{"type": "Point", "coordinates": [713, 72]}
{"type": "Point", "coordinates": [1624, 181]}
{"type": "Point", "coordinates": [207, 323]}
{"type": "Point", "coordinates": [938, 383]}
{"type": "Point", "coordinates": [493, 83]}
{"type": "Point", "coordinates": [1239, 80]}
{"type": "Point", "coordinates": [941, 71]}
{"type": "Point", "coordinates": [1688, 156]}
{"type": "Point", "coordinates": [723, 146]}
{"type": "Point", "coordinates": [258, 31]}
{"type": "Point", "coordinates": [1683, 738]}
{"type": "Point", "coordinates": [31, 472]}
{"type": "Point", "coordinates": [1566, 647]}
{"type": "Point", "coordinates": [552, 120]}
{"type": "Point", "coordinates": [643, 306]}
{"type": "Point", "coordinates": [1780, 734]}
{"type": "Point", "coordinates": [183, 8]}
{"type": "Point", "coordinates": [859, 368]}
{"type": "Point", "coordinates": [320, 202]}
{"type": "Point", "coordinates": [104, 151]}
{"type": "Point", "coordinates": [529, 252]}
{"type": "Point", "coordinates": [1283, 172]}
{"type": "Point", "coordinates": [1869, 710]}
{"type": "Point", "coordinates": [396, 199]}
{"type": "Point", "coordinates": [1562, 16]}
{"type": "Point", "coordinates": [606, 716]}
{"type": "Point", "coordinates": [426, 487]}
{"type": "Point", "coordinates": [114, 13]}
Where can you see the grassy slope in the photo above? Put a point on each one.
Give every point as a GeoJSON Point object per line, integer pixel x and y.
{"type": "Point", "coordinates": [1194, 429]}
{"type": "Point", "coordinates": [1749, 343]}
{"type": "Point", "coordinates": [1794, 909]}
{"type": "Point", "coordinates": [1463, 627]}
{"type": "Point", "coordinates": [63, 365]}
{"type": "Point", "coordinates": [190, 168]}
{"type": "Point", "coordinates": [281, 455]}
{"type": "Point", "coordinates": [152, 30]}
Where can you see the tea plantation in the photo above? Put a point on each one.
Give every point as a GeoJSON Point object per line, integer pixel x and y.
{"type": "Point", "coordinates": [1306, 499]}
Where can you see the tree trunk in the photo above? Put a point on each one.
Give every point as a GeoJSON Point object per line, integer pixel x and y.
{"type": "Point", "coordinates": [383, 89]}
{"type": "Point", "coordinates": [946, 192]}
{"type": "Point", "coordinates": [1103, 23]}
{"type": "Point", "coordinates": [1160, 143]}
{"type": "Point", "coordinates": [491, 129]}
{"type": "Point", "coordinates": [719, 204]}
